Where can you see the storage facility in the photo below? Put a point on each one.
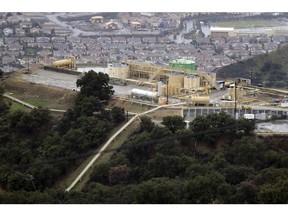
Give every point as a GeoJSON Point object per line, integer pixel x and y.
{"type": "Point", "coordinates": [120, 71]}
{"type": "Point", "coordinates": [192, 82]}
{"type": "Point", "coordinates": [70, 62]}
{"type": "Point", "coordinates": [183, 64]}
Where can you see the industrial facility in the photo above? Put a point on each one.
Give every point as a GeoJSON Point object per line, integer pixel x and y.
{"type": "Point", "coordinates": [69, 63]}
{"type": "Point", "coordinates": [180, 79]}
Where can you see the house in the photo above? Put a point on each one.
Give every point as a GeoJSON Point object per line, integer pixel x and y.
{"type": "Point", "coordinates": [135, 25]}
{"type": "Point", "coordinates": [80, 46]}
{"type": "Point", "coordinates": [88, 41]}
{"type": "Point", "coordinates": [164, 40]}
{"type": "Point", "coordinates": [32, 44]}
{"type": "Point", "coordinates": [43, 40]}
{"type": "Point", "coordinates": [119, 40]}
{"type": "Point", "coordinates": [8, 60]}
{"type": "Point", "coordinates": [44, 53]}
{"type": "Point", "coordinates": [27, 40]}
{"type": "Point", "coordinates": [35, 30]}
{"type": "Point", "coordinates": [13, 19]}
{"type": "Point", "coordinates": [77, 53]}
{"type": "Point", "coordinates": [110, 26]}
{"type": "Point", "coordinates": [14, 47]}
{"type": "Point", "coordinates": [10, 40]}
{"type": "Point", "coordinates": [26, 25]}
{"type": "Point", "coordinates": [124, 47]}
{"type": "Point", "coordinates": [203, 41]}
{"type": "Point", "coordinates": [60, 46]}
{"type": "Point", "coordinates": [45, 45]}
{"type": "Point", "coordinates": [20, 32]}
{"type": "Point", "coordinates": [133, 40]}
{"type": "Point", "coordinates": [279, 39]}
{"type": "Point", "coordinates": [58, 40]}
{"type": "Point", "coordinates": [8, 31]}
{"type": "Point", "coordinates": [62, 32]}
{"type": "Point", "coordinates": [60, 54]}
{"type": "Point", "coordinates": [96, 19]}
{"type": "Point", "coordinates": [74, 39]}
{"type": "Point", "coordinates": [149, 39]}
{"type": "Point", "coordinates": [103, 40]}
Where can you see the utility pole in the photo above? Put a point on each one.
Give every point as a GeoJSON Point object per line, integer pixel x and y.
{"type": "Point", "coordinates": [167, 92]}
{"type": "Point", "coordinates": [235, 99]}
{"type": "Point", "coordinates": [28, 64]}
{"type": "Point", "coordinates": [251, 75]}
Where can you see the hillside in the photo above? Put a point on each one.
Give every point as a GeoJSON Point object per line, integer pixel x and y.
{"type": "Point", "coordinates": [270, 70]}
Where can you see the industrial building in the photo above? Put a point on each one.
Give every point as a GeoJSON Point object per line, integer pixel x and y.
{"type": "Point", "coordinates": [219, 32]}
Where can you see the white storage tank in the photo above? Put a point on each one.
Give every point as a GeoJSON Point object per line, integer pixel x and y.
{"type": "Point", "coordinates": [140, 93]}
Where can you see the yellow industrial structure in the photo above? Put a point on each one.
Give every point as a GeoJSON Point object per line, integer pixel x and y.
{"type": "Point", "coordinates": [179, 80]}
{"type": "Point", "coordinates": [118, 70]}
{"type": "Point", "coordinates": [70, 63]}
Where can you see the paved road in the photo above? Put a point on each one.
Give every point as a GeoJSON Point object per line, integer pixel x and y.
{"type": "Point", "coordinates": [79, 177]}
{"type": "Point", "coordinates": [29, 105]}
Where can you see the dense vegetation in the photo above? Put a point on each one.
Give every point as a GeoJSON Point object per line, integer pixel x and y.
{"type": "Point", "coordinates": [217, 160]}
{"type": "Point", "coordinates": [267, 69]}
{"type": "Point", "coordinates": [36, 149]}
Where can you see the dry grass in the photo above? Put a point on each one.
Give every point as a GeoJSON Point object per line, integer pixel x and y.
{"type": "Point", "coordinates": [39, 95]}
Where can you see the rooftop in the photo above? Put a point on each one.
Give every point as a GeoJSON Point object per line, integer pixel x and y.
{"type": "Point", "coordinates": [221, 29]}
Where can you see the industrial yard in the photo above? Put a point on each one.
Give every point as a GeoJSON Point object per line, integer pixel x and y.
{"type": "Point", "coordinates": [141, 84]}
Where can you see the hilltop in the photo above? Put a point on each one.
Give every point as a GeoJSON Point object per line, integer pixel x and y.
{"type": "Point", "coordinates": [270, 69]}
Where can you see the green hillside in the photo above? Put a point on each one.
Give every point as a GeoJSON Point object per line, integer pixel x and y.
{"type": "Point", "coordinates": [271, 69]}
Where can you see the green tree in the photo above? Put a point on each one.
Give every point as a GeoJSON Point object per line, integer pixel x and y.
{"type": "Point", "coordinates": [159, 191]}
{"type": "Point", "coordinates": [119, 174]}
{"type": "Point", "coordinates": [174, 123]}
{"type": "Point", "coordinates": [118, 114]}
{"type": "Point", "coordinates": [246, 192]}
{"type": "Point", "coordinates": [95, 84]}
{"type": "Point", "coordinates": [146, 124]}
{"type": "Point", "coordinates": [75, 141]}
{"type": "Point", "coordinates": [88, 106]}
{"type": "Point", "coordinates": [204, 189]}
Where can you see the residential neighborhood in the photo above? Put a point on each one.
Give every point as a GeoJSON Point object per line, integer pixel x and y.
{"type": "Point", "coordinates": [42, 38]}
